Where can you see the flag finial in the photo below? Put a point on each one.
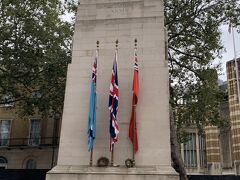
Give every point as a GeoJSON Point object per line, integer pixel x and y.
{"type": "Point", "coordinates": [117, 43]}
{"type": "Point", "coordinates": [135, 43]}
{"type": "Point", "coordinates": [97, 44]}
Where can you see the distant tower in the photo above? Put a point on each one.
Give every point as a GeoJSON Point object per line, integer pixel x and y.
{"type": "Point", "coordinates": [234, 108]}
{"type": "Point", "coordinates": [105, 21]}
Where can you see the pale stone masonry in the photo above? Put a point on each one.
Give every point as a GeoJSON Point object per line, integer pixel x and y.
{"type": "Point", "coordinates": [107, 21]}
{"type": "Point", "coordinates": [213, 150]}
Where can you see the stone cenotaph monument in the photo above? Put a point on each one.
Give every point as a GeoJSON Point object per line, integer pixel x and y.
{"type": "Point", "coordinates": [107, 21]}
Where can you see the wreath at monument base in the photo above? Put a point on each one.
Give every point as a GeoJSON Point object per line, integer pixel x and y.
{"type": "Point", "coordinates": [102, 162]}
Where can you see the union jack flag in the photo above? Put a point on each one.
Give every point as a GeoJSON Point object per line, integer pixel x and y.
{"type": "Point", "coordinates": [113, 105]}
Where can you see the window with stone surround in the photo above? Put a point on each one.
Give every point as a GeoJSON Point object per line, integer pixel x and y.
{"type": "Point", "coordinates": [34, 132]}
{"type": "Point", "coordinates": [5, 128]}
{"type": "Point", "coordinates": [31, 164]}
{"type": "Point", "coordinates": [3, 162]}
{"type": "Point", "coordinates": [202, 152]}
{"type": "Point", "coordinates": [190, 151]}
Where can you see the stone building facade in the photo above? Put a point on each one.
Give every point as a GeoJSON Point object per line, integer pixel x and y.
{"type": "Point", "coordinates": [220, 146]}
{"type": "Point", "coordinates": [27, 143]}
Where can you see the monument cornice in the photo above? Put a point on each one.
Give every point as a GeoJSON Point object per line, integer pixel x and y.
{"type": "Point", "coordinates": [121, 170]}
{"type": "Point", "coordinates": [120, 18]}
{"type": "Point", "coordinates": [86, 2]}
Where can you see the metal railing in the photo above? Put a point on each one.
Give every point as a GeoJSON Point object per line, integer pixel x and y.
{"type": "Point", "coordinates": [23, 143]}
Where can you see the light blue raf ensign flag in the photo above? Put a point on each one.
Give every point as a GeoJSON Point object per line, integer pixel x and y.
{"type": "Point", "coordinates": [92, 107]}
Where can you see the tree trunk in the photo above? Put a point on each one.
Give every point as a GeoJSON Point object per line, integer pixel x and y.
{"type": "Point", "coordinates": [177, 161]}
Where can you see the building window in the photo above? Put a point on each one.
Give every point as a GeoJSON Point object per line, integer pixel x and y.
{"type": "Point", "coordinates": [34, 132]}
{"type": "Point", "coordinates": [202, 152]}
{"type": "Point", "coordinates": [3, 162]}
{"type": "Point", "coordinates": [236, 90]}
{"type": "Point", "coordinates": [7, 100]}
{"type": "Point", "coordinates": [231, 87]}
{"type": "Point", "coordinates": [190, 151]}
{"type": "Point", "coordinates": [4, 132]}
{"type": "Point", "coordinates": [226, 147]}
{"type": "Point", "coordinates": [31, 164]}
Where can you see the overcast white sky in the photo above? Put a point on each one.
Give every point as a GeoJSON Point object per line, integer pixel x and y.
{"type": "Point", "coordinates": [227, 41]}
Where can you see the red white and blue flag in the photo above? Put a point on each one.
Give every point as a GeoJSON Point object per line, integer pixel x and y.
{"type": "Point", "coordinates": [135, 88]}
{"type": "Point", "coordinates": [113, 104]}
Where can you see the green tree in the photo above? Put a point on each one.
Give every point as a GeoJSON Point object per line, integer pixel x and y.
{"type": "Point", "coordinates": [194, 42]}
{"type": "Point", "coordinates": [35, 49]}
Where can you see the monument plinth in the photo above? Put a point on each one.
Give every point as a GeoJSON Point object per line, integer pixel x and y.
{"type": "Point", "coordinates": [105, 21]}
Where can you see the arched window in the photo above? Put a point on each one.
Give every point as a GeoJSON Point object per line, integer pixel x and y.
{"type": "Point", "coordinates": [3, 162]}
{"type": "Point", "coordinates": [31, 164]}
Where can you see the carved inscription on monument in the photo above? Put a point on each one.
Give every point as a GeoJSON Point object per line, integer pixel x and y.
{"type": "Point", "coordinates": [117, 10]}
{"type": "Point", "coordinates": [120, 8]}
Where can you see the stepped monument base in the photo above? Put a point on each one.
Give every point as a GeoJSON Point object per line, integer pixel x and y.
{"type": "Point", "coordinates": [110, 173]}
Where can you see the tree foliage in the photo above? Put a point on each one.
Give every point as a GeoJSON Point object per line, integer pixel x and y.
{"type": "Point", "coordinates": [194, 42]}
{"type": "Point", "coordinates": [35, 49]}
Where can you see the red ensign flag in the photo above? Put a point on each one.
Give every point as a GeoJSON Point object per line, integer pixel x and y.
{"type": "Point", "coordinates": [132, 126]}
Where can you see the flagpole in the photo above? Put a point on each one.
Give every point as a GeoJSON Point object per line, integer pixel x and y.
{"type": "Point", "coordinates": [112, 155]}
{"type": "Point", "coordinates": [236, 65]}
{"type": "Point", "coordinates": [91, 153]}
{"type": "Point", "coordinates": [112, 148]}
{"type": "Point", "coordinates": [91, 158]}
{"type": "Point", "coordinates": [134, 130]}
